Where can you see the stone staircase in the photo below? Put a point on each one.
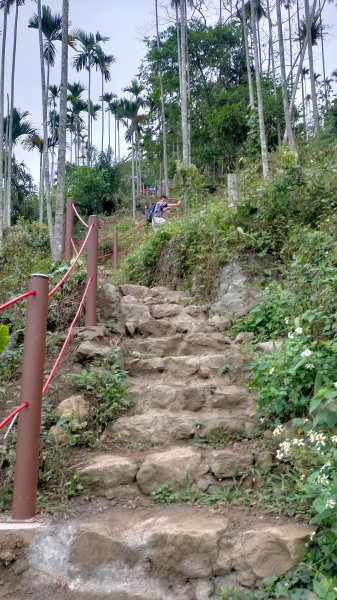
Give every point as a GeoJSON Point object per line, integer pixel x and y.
{"type": "Point", "coordinates": [187, 385]}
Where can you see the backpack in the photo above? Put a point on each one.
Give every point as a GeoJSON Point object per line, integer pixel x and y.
{"type": "Point", "coordinates": [149, 213]}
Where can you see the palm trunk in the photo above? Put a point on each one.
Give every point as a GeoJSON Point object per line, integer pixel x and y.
{"type": "Point", "coordinates": [271, 42]}
{"type": "Point", "coordinates": [45, 133]}
{"type": "Point", "coordinates": [302, 86]}
{"type": "Point", "coordinates": [41, 189]}
{"type": "Point", "coordinates": [183, 90]}
{"type": "Point", "coordinates": [300, 56]}
{"type": "Point", "coordinates": [308, 21]}
{"type": "Point", "coordinates": [133, 180]}
{"type": "Point", "coordinates": [2, 108]}
{"type": "Point", "coordinates": [89, 116]}
{"type": "Point", "coordinates": [323, 54]}
{"type": "Point", "coordinates": [109, 126]}
{"type": "Point", "coordinates": [289, 130]}
{"type": "Point", "coordinates": [6, 160]}
{"type": "Point", "coordinates": [162, 102]}
{"type": "Point", "coordinates": [10, 138]}
{"type": "Point", "coordinates": [61, 163]}
{"type": "Point", "coordinates": [290, 45]}
{"type": "Point", "coordinates": [249, 71]}
{"type": "Point", "coordinates": [263, 139]}
{"type": "Point", "coordinates": [116, 139]}
{"type": "Point", "coordinates": [102, 114]}
{"type": "Point", "coordinates": [71, 147]}
{"type": "Point", "coordinates": [119, 140]}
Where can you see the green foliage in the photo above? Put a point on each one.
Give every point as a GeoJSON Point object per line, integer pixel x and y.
{"type": "Point", "coordinates": [4, 337]}
{"type": "Point", "coordinates": [108, 391]}
{"type": "Point", "coordinates": [163, 494]}
{"type": "Point", "coordinates": [97, 189]}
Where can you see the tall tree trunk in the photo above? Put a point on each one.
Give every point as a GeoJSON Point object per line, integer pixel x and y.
{"type": "Point", "coordinates": [290, 45]}
{"type": "Point", "coordinates": [133, 179]}
{"type": "Point", "coordinates": [300, 57]}
{"type": "Point", "coordinates": [263, 139]}
{"type": "Point", "coordinates": [271, 43]}
{"type": "Point", "coordinates": [41, 189]}
{"type": "Point", "coordinates": [289, 130]}
{"type": "Point", "coordinates": [116, 139]}
{"type": "Point", "coordinates": [119, 140]}
{"type": "Point", "coordinates": [183, 90]}
{"type": "Point", "coordinates": [89, 117]}
{"type": "Point", "coordinates": [2, 110]}
{"type": "Point", "coordinates": [323, 54]}
{"type": "Point", "coordinates": [10, 138]}
{"type": "Point", "coordinates": [6, 161]}
{"type": "Point", "coordinates": [45, 133]}
{"type": "Point", "coordinates": [162, 102]}
{"type": "Point", "coordinates": [249, 70]}
{"type": "Point", "coordinates": [61, 163]}
{"type": "Point", "coordinates": [308, 22]}
{"type": "Point", "coordinates": [102, 148]}
{"type": "Point", "coordinates": [302, 83]}
{"type": "Point", "coordinates": [109, 126]}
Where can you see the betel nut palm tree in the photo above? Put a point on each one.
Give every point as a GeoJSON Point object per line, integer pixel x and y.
{"type": "Point", "coordinates": [103, 63]}
{"type": "Point", "coordinates": [2, 100]}
{"type": "Point", "coordinates": [85, 59]}
{"type": "Point", "coordinates": [8, 190]}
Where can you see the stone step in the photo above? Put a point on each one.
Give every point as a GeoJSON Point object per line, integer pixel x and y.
{"type": "Point", "coordinates": [190, 397]}
{"type": "Point", "coordinates": [165, 553]}
{"type": "Point", "coordinates": [184, 367]}
{"type": "Point", "coordinates": [161, 427]}
{"type": "Point", "coordinates": [179, 344]}
{"type": "Point", "coordinates": [202, 468]}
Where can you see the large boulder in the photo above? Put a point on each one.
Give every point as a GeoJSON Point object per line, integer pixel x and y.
{"type": "Point", "coordinates": [91, 333]}
{"type": "Point", "coordinates": [131, 310]}
{"type": "Point", "coordinates": [173, 466]}
{"type": "Point", "coordinates": [164, 311]}
{"type": "Point", "coordinates": [75, 407]}
{"type": "Point", "coordinates": [272, 550]}
{"type": "Point", "coordinates": [230, 463]}
{"type": "Point", "coordinates": [236, 294]}
{"type": "Point", "coordinates": [149, 427]}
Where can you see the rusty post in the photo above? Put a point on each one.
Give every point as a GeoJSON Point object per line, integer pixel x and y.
{"type": "Point", "coordinates": [68, 250]}
{"type": "Point", "coordinates": [115, 257]}
{"type": "Point", "coordinates": [28, 441]}
{"type": "Point", "coordinates": [91, 301]}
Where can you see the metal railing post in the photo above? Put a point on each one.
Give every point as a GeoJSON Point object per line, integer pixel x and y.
{"type": "Point", "coordinates": [29, 422]}
{"type": "Point", "coordinates": [68, 250]}
{"type": "Point", "coordinates": [115, 250]}
{"type": "Point", "coordinates": [91, 301]}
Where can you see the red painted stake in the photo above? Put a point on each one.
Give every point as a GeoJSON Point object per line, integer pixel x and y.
{"type": "Point", "coordinates": [91, 301]}
{"type": "Point", "coordinates": [28, 441]}
{"type": "Point", "coordinates": [68, 250]}
{"type": "Point", "coordinates": [115, 248]}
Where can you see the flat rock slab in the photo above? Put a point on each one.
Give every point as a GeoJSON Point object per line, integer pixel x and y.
{"type": "Point", "coordinates": [182, 542]}
{"type": "Point", "coordinates": [91, 333]}
{"type": "Point", "coordinates": [270, 346]}
{"type": "Point", "coordinates": [104, 472]}
{"type": "Point", "coordinates": [173, 466]}
{"type": "Point", "coordinates": [90, 351]}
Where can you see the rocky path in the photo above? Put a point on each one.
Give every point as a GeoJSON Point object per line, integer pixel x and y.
{"type": "Point", "coordinates": [187, 391]}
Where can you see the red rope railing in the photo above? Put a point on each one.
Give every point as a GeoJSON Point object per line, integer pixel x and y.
{"type": "Point", "coordinates": [66, 275]}
{"type": "Point", "coordinates": [13, 414]}
{"type": "Point", "coordinates": [79, 216]}
{"type": "Point", "coordinates": [22, 297]}
{"type": "Point", "coordinates": [105, 255]}
{"type": "Point", "coordinates": [52, 372]}
{"type": "Point", "coordinates": [74, 247]}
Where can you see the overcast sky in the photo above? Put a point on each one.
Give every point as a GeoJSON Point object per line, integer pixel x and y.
{"type": "Point", "coordinates": [125, 22]}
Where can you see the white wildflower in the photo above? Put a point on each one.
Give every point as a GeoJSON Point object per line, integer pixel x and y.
{"type": "Point", "coordinates": [271, 371]}
{"type": "Point", "coordinates": [285, 447]}
{"type": "Point", "coordinates": [310, 366]}
{"type": "Point", "coordinates": [335, 384]}
{"type": "Point", "coordinates": [298, 330]}
{"type": "Point", "coordinates": [286, 320]}
{"type": "Point", "coordinates": [306, 353]}
{"type": "Point", "coordinates": [278, 430]}
{"type": "Point", "coordinates": [333, 439]}
{"type": "Point", "coordinates": [279, 455]}
{"type": "Point", "coordinates": [330, 503]}
{"type": "Point", "coordinates": [291, 336]}
{"type": "Point", "coordinates": [297, 442]}
{"type": "Point", "coordinates": [312, 536]}
{"type": "Point", "coordinates": [302, 477]}
{"type": "Point", "coordinates": [320, 439]}
{"type": "Point", "coordinates": [322, 479]}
